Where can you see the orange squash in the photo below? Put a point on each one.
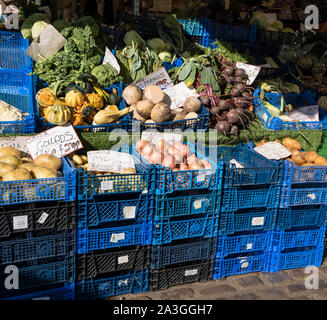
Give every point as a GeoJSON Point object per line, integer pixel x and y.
{"type": "Point", "coordinates": [95, 100]}
{"type": "Point", "coordinates": [74, 98]}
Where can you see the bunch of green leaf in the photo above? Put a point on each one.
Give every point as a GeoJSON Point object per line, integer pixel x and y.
{"type": "Point", "coordinates": [106, 75]}
{"type": "Point", "coordinates": [92, 23]}
{"type": "Point", "coordinates": [227, 52]}
{"type": "Point", "coordinates": [26, 28]}
{"type": "Point", "coordinates": [61, 24]}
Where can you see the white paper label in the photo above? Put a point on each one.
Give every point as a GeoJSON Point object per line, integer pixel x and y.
{"type": "Point", "coordinates": [237, 164]}
{"type": "Point", "coordinates": [258, 221]}
{"type": "Point", "coordinates": [58, 141]}
{"type": "Point", "coordinates": [20, 222]}
{"type": "Point", "coordinates": [197, 204]}
{"type": "Point", "coordinates": [115, 237]}
{"type": "Point", "coordinates": [310, 113]}
{"type": "Point", "coordinates": [123, 282]}
{"type": "Point", "coordinates": [191, 272]}
{"type": "Point", "coordinates": [129, 212]}
{"type": "Point", "coordinates": [250, 70]}
{"type": "Point", "coordinates": [122, 259]}
{"type": "Point", "coordinates": [43, 217]}
{"type": "Point", "coordinates": [201, 177]}
{"type": "Point", "coordinates": [312, 196]}
{"type": "Point", "coordinates": [178, 94]}
{"type": "Point", "coordinates": [110, 161]}
{"type": "Point", "coordinates": [159, 78]}
{"type": "Point", "coordinates": [244, 264]}
{"type": "Point", "coordinates": [15, 142]}
{"type": "Point", "coordinates": [249, 246]}
{"type": "Point", "coordinates": [110, 58]}
{"type": "Point", "coordinates": [273, 151]}
{"type": "Point", "coordinates": [265, 117]}
{"type": "Point", "coordinates": [153, 136]}
{"type": "Point", "coordinates": [106, 185]}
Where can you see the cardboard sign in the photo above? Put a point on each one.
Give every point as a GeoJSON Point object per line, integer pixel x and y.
{"type": "Point", "coordinates": [250, 70]}
{"type": "Point", "coordinates": [110, 58]}
{"type": "Point", "coordinates": [159, 78]}
{"type": "Point", "coordinates": [273, 151]}
{"type": "Point", "coordinates": [15, 142]}
{"type": "Point", "coordinates": [303, 114]}
{"type": "Point", "coordinates": [178, 94]}
{"type": "Point", "coordinates": [156, 136]}
{"type": "Point", "coordinates": [58, 141]}
{"type": "Point", "coordinates": [110, 161]}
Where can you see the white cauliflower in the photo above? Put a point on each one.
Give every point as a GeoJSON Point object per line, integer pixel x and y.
{"type": "Point", "coordinates": [9, 113]}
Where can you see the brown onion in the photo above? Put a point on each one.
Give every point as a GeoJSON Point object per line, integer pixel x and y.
{"type": "Point", "coordinates": [183, 167]}
{"type": "Point", "coordinates": [155, 157]}
{"type": "Point", "coordinates": [206, 164]}
{"type": "Point", "coordinates": [169, 162]}
{"type": "Point", "coordinates": [147, 150]}
{"type": "Point", "coordinates": [140, 145]}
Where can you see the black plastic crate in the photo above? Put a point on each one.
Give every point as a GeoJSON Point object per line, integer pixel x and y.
{"type": "Point", "coordinates": [37, 216]}
{"type": "Point", "coordinates": [98, 263]}
{"type": "Point", "coordinates": [166, 277]}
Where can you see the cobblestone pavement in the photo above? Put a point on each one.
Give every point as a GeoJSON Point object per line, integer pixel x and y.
{"type": "Point", "coordinates": [282, 285]}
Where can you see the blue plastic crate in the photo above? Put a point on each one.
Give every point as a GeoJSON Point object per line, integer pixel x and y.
{"type": "Point", "coordinates": [66, 292]}
{"type": "Point", "coordinates": [176, 64]}
{"type": "Point", "coordinates": [234, 199]}
{"type": "Point", "coordinates": [24, 191]}
{"type": "Point", "coordinates": [294, 196]}
{"type": "Point", "coordinates": [97, 239]}
{"type": "Point", "coordinates": [95, 212]}
{"type": "Point", "coordinates": [187, 205]}
{"type": "Point", "coordinates": [291, 259]}
{"type": "Point", "coordinates": [16, 88]}
{"type": "Point", "coordinates": [247, 263]}
{"type": "Point", "coordinates": [42, 123]}
{"type": "Point", "coordinates": [304, 216]}
{"type": "Point", "coordinates": [300, 100]}
{"type": "Point", "coordinates": [168, 181]}
{"type": "Point", "coordinates": [136, 282]}
{"type": "Point", "coordinates": [165, 255]}
{"type": "Point", "coordinates": [166, 231]}
{"type": "Point", "coordinates": [40, 247]}
{"type": "Point", "coordinates": [13, 51]}
{"type": "Point", "coordinates": [41, 276]}
{"type": "Point", "coordinates": [273, 37]}
{"type": "Point", "coordinates": [298, 238]}
{"type": "Point", "coordinates": [251, 241]}
{"type": "Point", "coordinates": [247, 220]}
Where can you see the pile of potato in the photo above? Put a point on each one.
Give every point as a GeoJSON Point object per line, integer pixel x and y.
{"type": "Point", "coordinates": [176, 156]}
{"type": "Point", "coordinates": [14, 166]}
{"type": "Point", "coordinates": [152, 105]}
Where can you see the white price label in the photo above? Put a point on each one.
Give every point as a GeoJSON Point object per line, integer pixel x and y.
{"type": "Point", "coordinates": [237, 164]}
{"type": "Point", "coordinates": [110, 161]}
{"type": "Point", "coordinates": [58, 141]}
{"type": "Point", "coordinates": [258, 221]}
{"type": "Point", "coordinates": [15, 142]}
{"type": "Point", "coordinates": [250, 70]}
{"type": "Point", "coordinates": [191, 272]}
{"type": "Point", "coordinates": [107, 185]}
{"type": "Point", "coordinates": [115, 237]}
{"type": "Point", "coordinates": [129, 212]}
{"type": "Point", "coordinates": [265, 117]}
{"type": "Point", "coordinates": [305, 114]}
{"type": "Point", "coordinates": [312, 196]}
{"type": "Point", "coordinates": [249, 246]}
{"type": "Point", "coordinates": [122, 259]}
{"type": "Point", "coordinates": [244, 264]}
{"type": "Point", "coordinates": [20, 222]}
{"type": "Point", "coordinates": [154, 136]}
{"type": "Point", "coordinates": [43, 217]}
{"type": "Point", "coordinates": [159, 78]}
{"type": "Point", "coordinates": [110, 58]}
{"type": "Point", "coordinates": [273, 151]}
{"type": "Point", "coordinates": [197, 204]}
{"type": "Point", "coordinates": [201, 177]}
{"type": "Point", "coordinates": [178, 94]}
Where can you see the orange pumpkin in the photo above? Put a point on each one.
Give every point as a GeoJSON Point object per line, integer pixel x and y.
{"type": "Point", "coordinates": [95, 100]}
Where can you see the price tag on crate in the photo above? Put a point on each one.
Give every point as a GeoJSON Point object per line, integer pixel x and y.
{"type": "Point", "coordinates": [305, 114]}
{"type": "Point", "coordinates": [154, 136]}
{"type": "Point", "coordinates": [20, 222]}
{"type": "Point", "coordinates": [197, 204]}
{"type": "Point", "coordinates": [110, 161]}
{"type": "Point", "coordinates": [178, 94]}
{"type": "Point", "coordinates": [107, 185]}
{"type": "Point", "coordinates": [129, 212]}
{"type": "Point", "coordinates": [123, 259]}
{"type": "Point", "coordinates": [115, 237]}
{"type": "Point", "coordinates": [258, 221]}
{"type": "Point", "coordinates": [273, 151]}
{"type": "Point", "coordinates": [15, 142]}
{"type": "Point", "coordinates": [110, 58]}
{"type": "Point", "coordinates": [159, 78]}
{"type": "Point", "coordinates": [192, 272]}
{"type": "Point", "coordinates": [44, 216]}
{"type": "Point", "coordinates": [58, 141]}
{"type": "Point", "coordinates": [237, 164]}
{"type": "Point", "coordinates": [250, 70]}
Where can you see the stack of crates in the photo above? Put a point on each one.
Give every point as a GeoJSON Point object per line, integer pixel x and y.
{"type": "Point", "coordinates": [185, 225]}
{"type": "Point", "coordinates": [37, 233]}
{"type": "Point", "coordinates": [114, 233]}
{"type": "Point", "coordinates": [16, 85]}
{"type": "Point", "coordinates": [251, 189]}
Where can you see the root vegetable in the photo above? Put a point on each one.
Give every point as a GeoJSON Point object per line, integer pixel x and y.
{"type": "Point", "coordinates": [140, 145]}
{"type": "Point", "coordinates": [27, 166]}
{"type": "Point", "coordinates": [215, 111]}
{"type": "Point", "coordinates": [154, 94]}
{"type": "Point", "coordinates": [191, 115]}
{"type": "Point", "coordinates": [43, 173]}
{"type": "Point", "coordinates": [26, 160]}
{"type": "Point", "coordinates": [307, 164]}
{"type": "Point", "coordinates": [144, 108]}
{"type": "Point", "coordinates": [160, 112]}
{"type": "Point", "coordinates": [310, 156]}
{"type": "Point", "coordinates": [169, 162]}
{"type": "Point", "coordinates": [137, 116]}
{"type": "Point", "coordinates": [297, 158]}
{"type": "Point", "coordinates": [16, 174]}
{"type": "Point", "coordinates": [180, 116]}
{"type": "Point", "coordinates": [5, 167]}
{"type": "Point", "coordinates": [229, 71]}
{"type": "Point", "coordinates": [241, 87]}
{"type": "Point", "coordinates": [48, 161]}
{"type": "Point", "coordinates": [183, 167]}
{"type": "Point", "coordinates": [233, 116]}
{"type": "Point", "coordinates": [147, 150]}
{"type": "Point", "coordinates": [156, 157]}
{"type": "Point", "coordinates": [240, 72]}
{"type": "Point", "coordinates": [234, 92]}
{"type": "Point", "coordinates": [196, 166]}
{"type": "Point", "coordinates": [206, 164]}
{"type": "Point", "coordinates": [132, 108]}
{"type": "Point", "coordinates": [192, 104]}
{"type": "Point", "coordinates": [234, 130]}
{"type": "Point", "coordinates": [10, 159]}
{"type": "Point", "coordinates": [291, 144]}
{"type": "Point", "coordinates": [224, 105]}
{"type": "Point", "coordinates": [320, 161]}
{"type": "Point", "coordinates": [162, 146]}
{"type": "Point", "coordinates": [5, 151]}
{"type": "Point", "coordinates": [132, 94]}
{"type": "Point", "coordinates": [149, 121]}
{"type": "Point", "coordinates": [176, 153]}
{"type": "Point", "coordinates": [186, 151]}
{"type": "Point", "coordinates": [177, 111]}
{"type": "Point", "coordinates": [205, 100]}
{"type": "Point", "coordinates": [223, 127]}
{"type": "Point", "coordinates": [129, 171]}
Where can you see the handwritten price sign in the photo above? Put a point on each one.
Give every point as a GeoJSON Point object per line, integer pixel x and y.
{"type": "Point", "coordinates": [58, 141]}
{"type": "Point", "coordinates": [159, 78]}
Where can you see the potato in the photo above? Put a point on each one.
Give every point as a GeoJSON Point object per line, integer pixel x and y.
{"type": "Point", "coordinates": [5, 167]}
{"type": "Point", "coordinates": [297, 158]}
{"type": "Point", "coordinates": [129, 171]}
{"type": "Point", "coordinates": [137, 116]}
{"type": "Point", "coordinates": [17, 174]}
{"type": "Point", "coordinates": [27, 166]}
{"type": "Point", "coordinates": [26, 160]}
{"type": "Point", "coordinates": [5, 151]}
{"type": "Point", "coordinates": [310, 156]}
{"type": "Point", "coordinates": [191, 115]}
{"type": "Point", "coordinates": [161, 112]}
{"type": "Point", "coordinates": [144, 108]}
{"type": "Point", "coordinates": [154, 94]}
{"type": "Point", "coordinates": [149, 121]}
{"type": "Point", "coordinates": [132, 108]}
{"type": "Point", "coordinates": [84, 158]}
{"type": "Point", "coordinates": [180, 116]}
{"type": "Point", "coordinates": [78, 160]}
{"type": "Point", "coordinates": [132, 94]}
{"type": "Point", "coordinates": [43, 173]}
{"type": "Point", "coordinates": [177, 111]}
{"type": "Point", "coordinates": [192, 104]}
{"type": "Point", "coordinates": [10, 159]}
{"type": "Point", "coordinates": [48, 161]}
{"type": "Point", "coordinates": [320, 161]}
{"type": "Point", "coordinates": [307, 164]}
{"type": "Point", "coordinates": [291, 144]}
